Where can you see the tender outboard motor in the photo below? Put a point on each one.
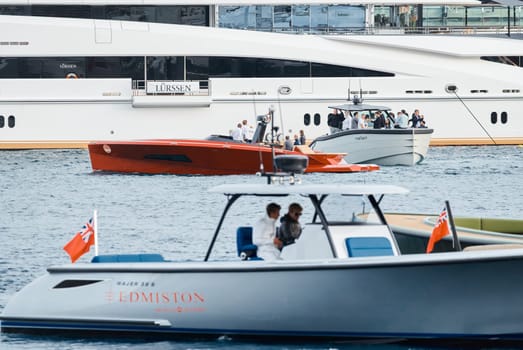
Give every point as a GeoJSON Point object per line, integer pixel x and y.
{"type": "Point", "coordinates": [290, 163]}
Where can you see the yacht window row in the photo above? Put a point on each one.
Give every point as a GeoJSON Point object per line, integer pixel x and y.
{"type": "Point", "coordinates": [189, 15]}
{"type": "Point", "coordinates": [172, 68]}
{"type": "Point", "coordinates": [307, 120]}
{"type": "Point", "coordinates": [10, 121]}
{"type": "Point", "coordinates": [494, 117]}
{"type": "Point", "coordinates": [291, 18]}
{"type": "Point", "coordinates": [317, 118]}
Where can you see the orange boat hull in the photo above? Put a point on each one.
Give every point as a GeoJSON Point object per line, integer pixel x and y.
{"type": "Point", "coordinates": [204, 157]}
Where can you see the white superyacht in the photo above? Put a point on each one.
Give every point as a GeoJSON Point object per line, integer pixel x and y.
{"type": "Point", "coordinates": [92, 70]}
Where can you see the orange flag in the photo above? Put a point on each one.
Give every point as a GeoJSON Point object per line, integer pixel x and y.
{"type": "Point", "coordinates": [81, 242]}
{"type": "Point", "coordinates": [440, 230]}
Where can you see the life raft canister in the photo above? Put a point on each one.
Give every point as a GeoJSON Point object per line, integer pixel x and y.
{"type": "Point", "coordinates": [71, 76]}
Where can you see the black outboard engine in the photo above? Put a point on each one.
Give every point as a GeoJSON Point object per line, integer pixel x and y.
{"type": "Point", "coordinates": [291, 163]}
{"type": "Point", "coordinates": [288, 168]}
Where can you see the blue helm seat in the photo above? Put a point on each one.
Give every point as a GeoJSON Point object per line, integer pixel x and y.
{"type": "Point", "coordinates": [246, 249]}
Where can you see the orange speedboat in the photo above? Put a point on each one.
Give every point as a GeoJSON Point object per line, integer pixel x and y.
{"type": "Point", "coordinates": [217, 155]}
{"type": "Point", "coordinates": [206, 157]}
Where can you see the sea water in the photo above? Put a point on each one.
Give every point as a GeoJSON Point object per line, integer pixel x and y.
{"type": "Point", "coordinates": [47, 195]}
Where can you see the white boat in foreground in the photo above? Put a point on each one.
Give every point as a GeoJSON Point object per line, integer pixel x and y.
{"type": "Point", "coordinates": [344, 278]}
{"type": "Point", "coordinates": [393, 146]}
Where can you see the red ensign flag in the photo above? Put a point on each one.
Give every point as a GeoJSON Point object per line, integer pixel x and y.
{"type": "Point", "coordinates": [440, 230]}
{"type": "Point", "coordinates": [81, 242]}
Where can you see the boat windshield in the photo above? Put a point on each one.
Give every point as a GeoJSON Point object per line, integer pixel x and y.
{"type": "Point", "coordinates": [349, 209]}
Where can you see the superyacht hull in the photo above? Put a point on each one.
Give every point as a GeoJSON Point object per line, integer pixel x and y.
{"type": "Point", "coordinates": [466, 99]}
{"type": "Point", "coordinates": [67, 120]}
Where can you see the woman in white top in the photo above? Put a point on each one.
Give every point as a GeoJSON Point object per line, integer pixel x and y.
{"type": "Point", "coordinates": [362, 122]}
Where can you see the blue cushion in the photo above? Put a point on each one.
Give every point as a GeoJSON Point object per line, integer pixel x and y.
{"type": "Point", "coordinates": [249, 247]}
{"type": "Point", "coordinates": [368, 246]}
{"type": "Point", "coordinates": [120, 258]}
{"type": "Point", "coordinates": [244, 242]}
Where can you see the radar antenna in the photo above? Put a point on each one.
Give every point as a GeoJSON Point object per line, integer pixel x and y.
{"type": "Point", "coordinates": [358, 99]}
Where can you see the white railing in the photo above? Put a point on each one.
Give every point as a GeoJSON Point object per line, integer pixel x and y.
{"type": "Point", "coordinates": [393, 30]}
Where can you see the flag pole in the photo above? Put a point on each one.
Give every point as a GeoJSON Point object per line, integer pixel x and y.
{"type": "Point", "coordinates": [95, 224]}
{"type": "Point", "coordinates": [455, 240]}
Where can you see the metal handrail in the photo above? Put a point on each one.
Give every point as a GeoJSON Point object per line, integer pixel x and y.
{"type": "Point", "coordinates": [392, 30]}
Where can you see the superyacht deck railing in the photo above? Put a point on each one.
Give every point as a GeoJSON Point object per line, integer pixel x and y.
{"type": "Point", "coordinates": [392, 30]}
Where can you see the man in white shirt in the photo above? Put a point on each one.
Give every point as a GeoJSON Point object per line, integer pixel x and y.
{"type": "Point", "coordinates": [347, 122]}
{"type": "Point", "coordinates": [264, 234]}
{"type": "Point", "coordinates": [245, 131]}
{"type": "Point", "coordinates": [402, 121]}
{"type": "Point", "coordinates": [237, 134]}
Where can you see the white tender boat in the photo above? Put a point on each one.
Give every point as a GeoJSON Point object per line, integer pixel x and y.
{"type": "Point", "coordinates": [393, 146]}
{"type": "Point", "coordinates": [344, 278]}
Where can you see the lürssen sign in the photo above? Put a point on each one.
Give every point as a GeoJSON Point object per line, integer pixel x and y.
{"type": "Point", "coordinates": [172, 87]}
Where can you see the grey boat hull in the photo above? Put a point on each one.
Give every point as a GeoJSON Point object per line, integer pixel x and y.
{"type": "Point", "coordinates": [384, 147]}
{"type": "Point", "coordinates": [467, 295]}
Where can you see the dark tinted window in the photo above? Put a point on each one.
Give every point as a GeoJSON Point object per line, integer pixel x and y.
{"type": "Point", "coordinates": [493, 117]}
{"type": "Point", "coordinates": [307, 119]}
{"type": "Point", "coordinates": [232, 67]}
{"type": "Point", "coordinates": [171, 68]}
{"type": "Point", "coordinates": [9, 67]}
{"type": "Point", "coordinates": [15, 10]}
{"type": "Point", "coordinates": [115, 67]}
{"type": "Point", "coordinates": [197, 68]}
{"type": "Point", "coordinates": [191, 15]}
{"type": "Point", "coordinates": [281, 68]}
{"type": "Point", "coordinates": [504, 117]}
{"type": "Point", "coordinates": [327, 70]}
{"type": "Point", "coordinates": [72, 11]}
{"type": "Point", "coordinates": [510, 60]}
{"type": "Point", "coordinates": [357, 72]}
{"type": "Point", "coordinates": [2, 121]}
{"type": "Point", "coordinates": [317, 119]}
{"type": "Point", "coordinates": [165, 68]}
{"type": "Point", "coordinates": [81, 67]}
{"type": "Point", "coordinates": [11, 121]}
